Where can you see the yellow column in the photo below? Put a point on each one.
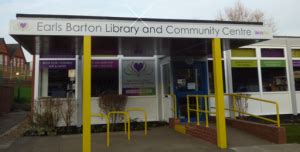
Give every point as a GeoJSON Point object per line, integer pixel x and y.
{"type": "Point", "coordinates": [86, 133]}
{"type": "Point", "coordinates": [219, 94]}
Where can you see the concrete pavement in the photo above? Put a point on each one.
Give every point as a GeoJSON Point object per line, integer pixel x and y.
{"type": "Point", "coordinates": [158, 140]}
{"type": "Point", "coordinates": [269, 148]}
{"type": "Point", "coordinates": [7, 121]}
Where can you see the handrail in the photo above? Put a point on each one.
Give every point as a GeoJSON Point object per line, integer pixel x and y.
{"type": "Point", "coordinates": [145, 116]}
{"type": "Point", "coordinates": [125, 116]}
{"type": "Point", "coordinates": [206, 111]}
{"type": "Point", "coordinates": [197, 110]}
{"type": "Point", "coordinates": [107, 126]}
{"type": "Point", "coordinates": [174, 109]}
{"type": "Point", "coordinates": [261, 100]}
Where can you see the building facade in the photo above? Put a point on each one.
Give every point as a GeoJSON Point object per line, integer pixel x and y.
{"type": "Point", "coordinates": [148, 61]}
{"type": "Point", "coordinates": [4, 57]}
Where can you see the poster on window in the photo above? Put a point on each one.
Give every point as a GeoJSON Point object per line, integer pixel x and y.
{"type": "Point", "coordinates": [57, 64]}
{"type": "Point", "coordinates": [138, 77]}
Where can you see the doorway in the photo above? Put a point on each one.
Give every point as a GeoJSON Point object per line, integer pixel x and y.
{"type": "Point", "coordinates": [189, 78]}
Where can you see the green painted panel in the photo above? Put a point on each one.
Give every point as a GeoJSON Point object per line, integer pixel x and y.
{"type": "Point", "coordinates": [243, 63]}
{"type": "Point", "coordinates": [243, 53]}
{"type": "Point", "coordinates": [272, 63]}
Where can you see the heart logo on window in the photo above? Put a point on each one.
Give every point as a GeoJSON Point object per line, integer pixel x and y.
{"type": "Point", "coordinates": [138, 67]}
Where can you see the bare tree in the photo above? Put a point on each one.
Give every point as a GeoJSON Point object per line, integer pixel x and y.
{"type": "Point", "coordinates": [241, 13]}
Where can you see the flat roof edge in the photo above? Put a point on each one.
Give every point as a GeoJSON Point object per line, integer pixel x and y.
{"type": "Point", "coordinates": [279, 36]}
{"type": "Point", "coordinates": [132, 18]}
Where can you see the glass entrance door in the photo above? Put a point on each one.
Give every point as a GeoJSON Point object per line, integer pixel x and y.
{"type": "Point", "coordinates": [189, 79]}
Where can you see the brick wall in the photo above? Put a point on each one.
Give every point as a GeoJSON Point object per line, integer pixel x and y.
{"type": "Point", "coordinates": [202, 132]}
{"type": "Point", "coordinates": [267, 132]}
{"type": "Point", "coordinates": [172, 122]}
{"type": "Point", "coordinates": [6, 98]}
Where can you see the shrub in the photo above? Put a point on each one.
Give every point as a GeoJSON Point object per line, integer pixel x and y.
{"type": "Point", "coordinates": [47, 113]}
{"type": "Point", "coordinates": [67, 113]}
{"type": "Point", "coordinates": [242, 104]}
{"type": "Point", "coordinates": [112, 102]}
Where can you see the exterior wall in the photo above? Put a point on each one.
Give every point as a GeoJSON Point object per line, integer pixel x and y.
{"type": "Point", "coordinates": [4, 57]}
{"type": "Point", "coordinates": [148, 103]}
{"type": "Point", "coordinates": [298, 101]}
{"type": "Point", "coordinates": [159, 108]}
{"type": "Point", "coordinates": [268, 132]}
{"type": "Point", "coordinates": [284, 98]}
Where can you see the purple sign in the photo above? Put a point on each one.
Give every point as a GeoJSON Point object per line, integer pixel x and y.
{"type": "Point", "coordinates": [296, 63]}
{"type": "Point", "coordinates": [272, 52]}
{"type": "Point", "coordinates": [57, 64]}
{"type": "Point", "coordinates": [105, 64]}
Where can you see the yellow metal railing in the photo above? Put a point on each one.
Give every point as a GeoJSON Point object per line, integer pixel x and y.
{"type": "Point", "coordinates": [174, 109]}
{"type": "Point", "coordinates": [145, 116]}
{"type": "Point", "coordinates": [234, 97]}
{"type": "Point", "coordinates": [107, 126]}
{"type": "Point", "coordinates": [126, 116]}
{"type": "Point", "coordinates": [197, 110]}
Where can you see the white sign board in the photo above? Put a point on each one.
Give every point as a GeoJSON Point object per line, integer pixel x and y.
{"type": "Point", "coordinates": [138, 77]}
{"type": "Point", "coordinates": [104, 27]}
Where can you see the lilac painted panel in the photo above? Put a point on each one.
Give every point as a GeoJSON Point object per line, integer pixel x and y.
{"type": "Point", "coordinates": [296, 63]}
{"type": "Point", "coordinates": [270, 52]}
{"type": "Point", "coordinates": [105, 64]}
{"type": "Point", "coordinates": [57, 64]}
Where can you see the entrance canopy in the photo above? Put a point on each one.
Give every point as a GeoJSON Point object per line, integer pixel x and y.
{"type": "Point", "coordinates": [52, 27]}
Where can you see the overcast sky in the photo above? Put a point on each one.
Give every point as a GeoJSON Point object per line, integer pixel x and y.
{"type": "Point", "coordinates": [284, 12]}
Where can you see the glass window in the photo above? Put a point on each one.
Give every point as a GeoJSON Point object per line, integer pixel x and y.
{"type": "Point", "coordinates": [1, 59]}
{"type": "Point", "coordinates": [244, 76]}
{"type": "Point", "coordinates": [105, 77]}
{"type": "Point", "coordinates": [272, 52]}
{"type": "Point", "coordinates": [138, 77]}
{"type": "Point", "coordinates": [243, 53]}
{"type": "Point", "coordinates": [5, 60]}
{"type": "Point", "coordinates": [58, 82]}
{"type": "Point", "coordinates": [104, 46]}
{"type": "Point", "coordinates": [166, 79]}
{"type": "Point", "coordinates": [274, 75]}
{"type": "Point", "coordinates": [59, 46]}
{"type": "Point", "coordinates": [138, 46]}
{"type": "Point", "coordinates": [296, 66]}
{"type": "Point", "coordinates": [211, 77]}
{"type": "Point", "coordinates": [57, 79]}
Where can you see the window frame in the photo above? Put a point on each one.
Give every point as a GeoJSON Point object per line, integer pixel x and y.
{"type": "Point", "coordinates": [153, 58]}
{"type": "Point", "coordinates": [39, 93]}
{"type": "Point", "coordinates": [260, 58]}
{"type": "Point", "coordinates": [295, 59]}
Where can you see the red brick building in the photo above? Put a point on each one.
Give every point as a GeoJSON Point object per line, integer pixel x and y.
{"type": "Point", "coordinates": [4, 58]}
{"type": "Point", "coordinates": [13, 67]}
{"type": "Point", "coordinates": [17, 61]}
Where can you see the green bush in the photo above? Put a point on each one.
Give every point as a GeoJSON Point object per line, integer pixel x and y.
{"type": "Point", "coordinates": [25, 95]}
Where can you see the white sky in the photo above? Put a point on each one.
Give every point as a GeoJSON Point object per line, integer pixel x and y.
{"type": "Point", "coordinates": [284, 12]}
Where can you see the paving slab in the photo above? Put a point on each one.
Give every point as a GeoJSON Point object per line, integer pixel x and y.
{"type": "Point", "coordinates": [9, 120]}
{"type": "Point", "coordinates": [269, 148]}
{"type": "Point", "coordinates": [161, 139]}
